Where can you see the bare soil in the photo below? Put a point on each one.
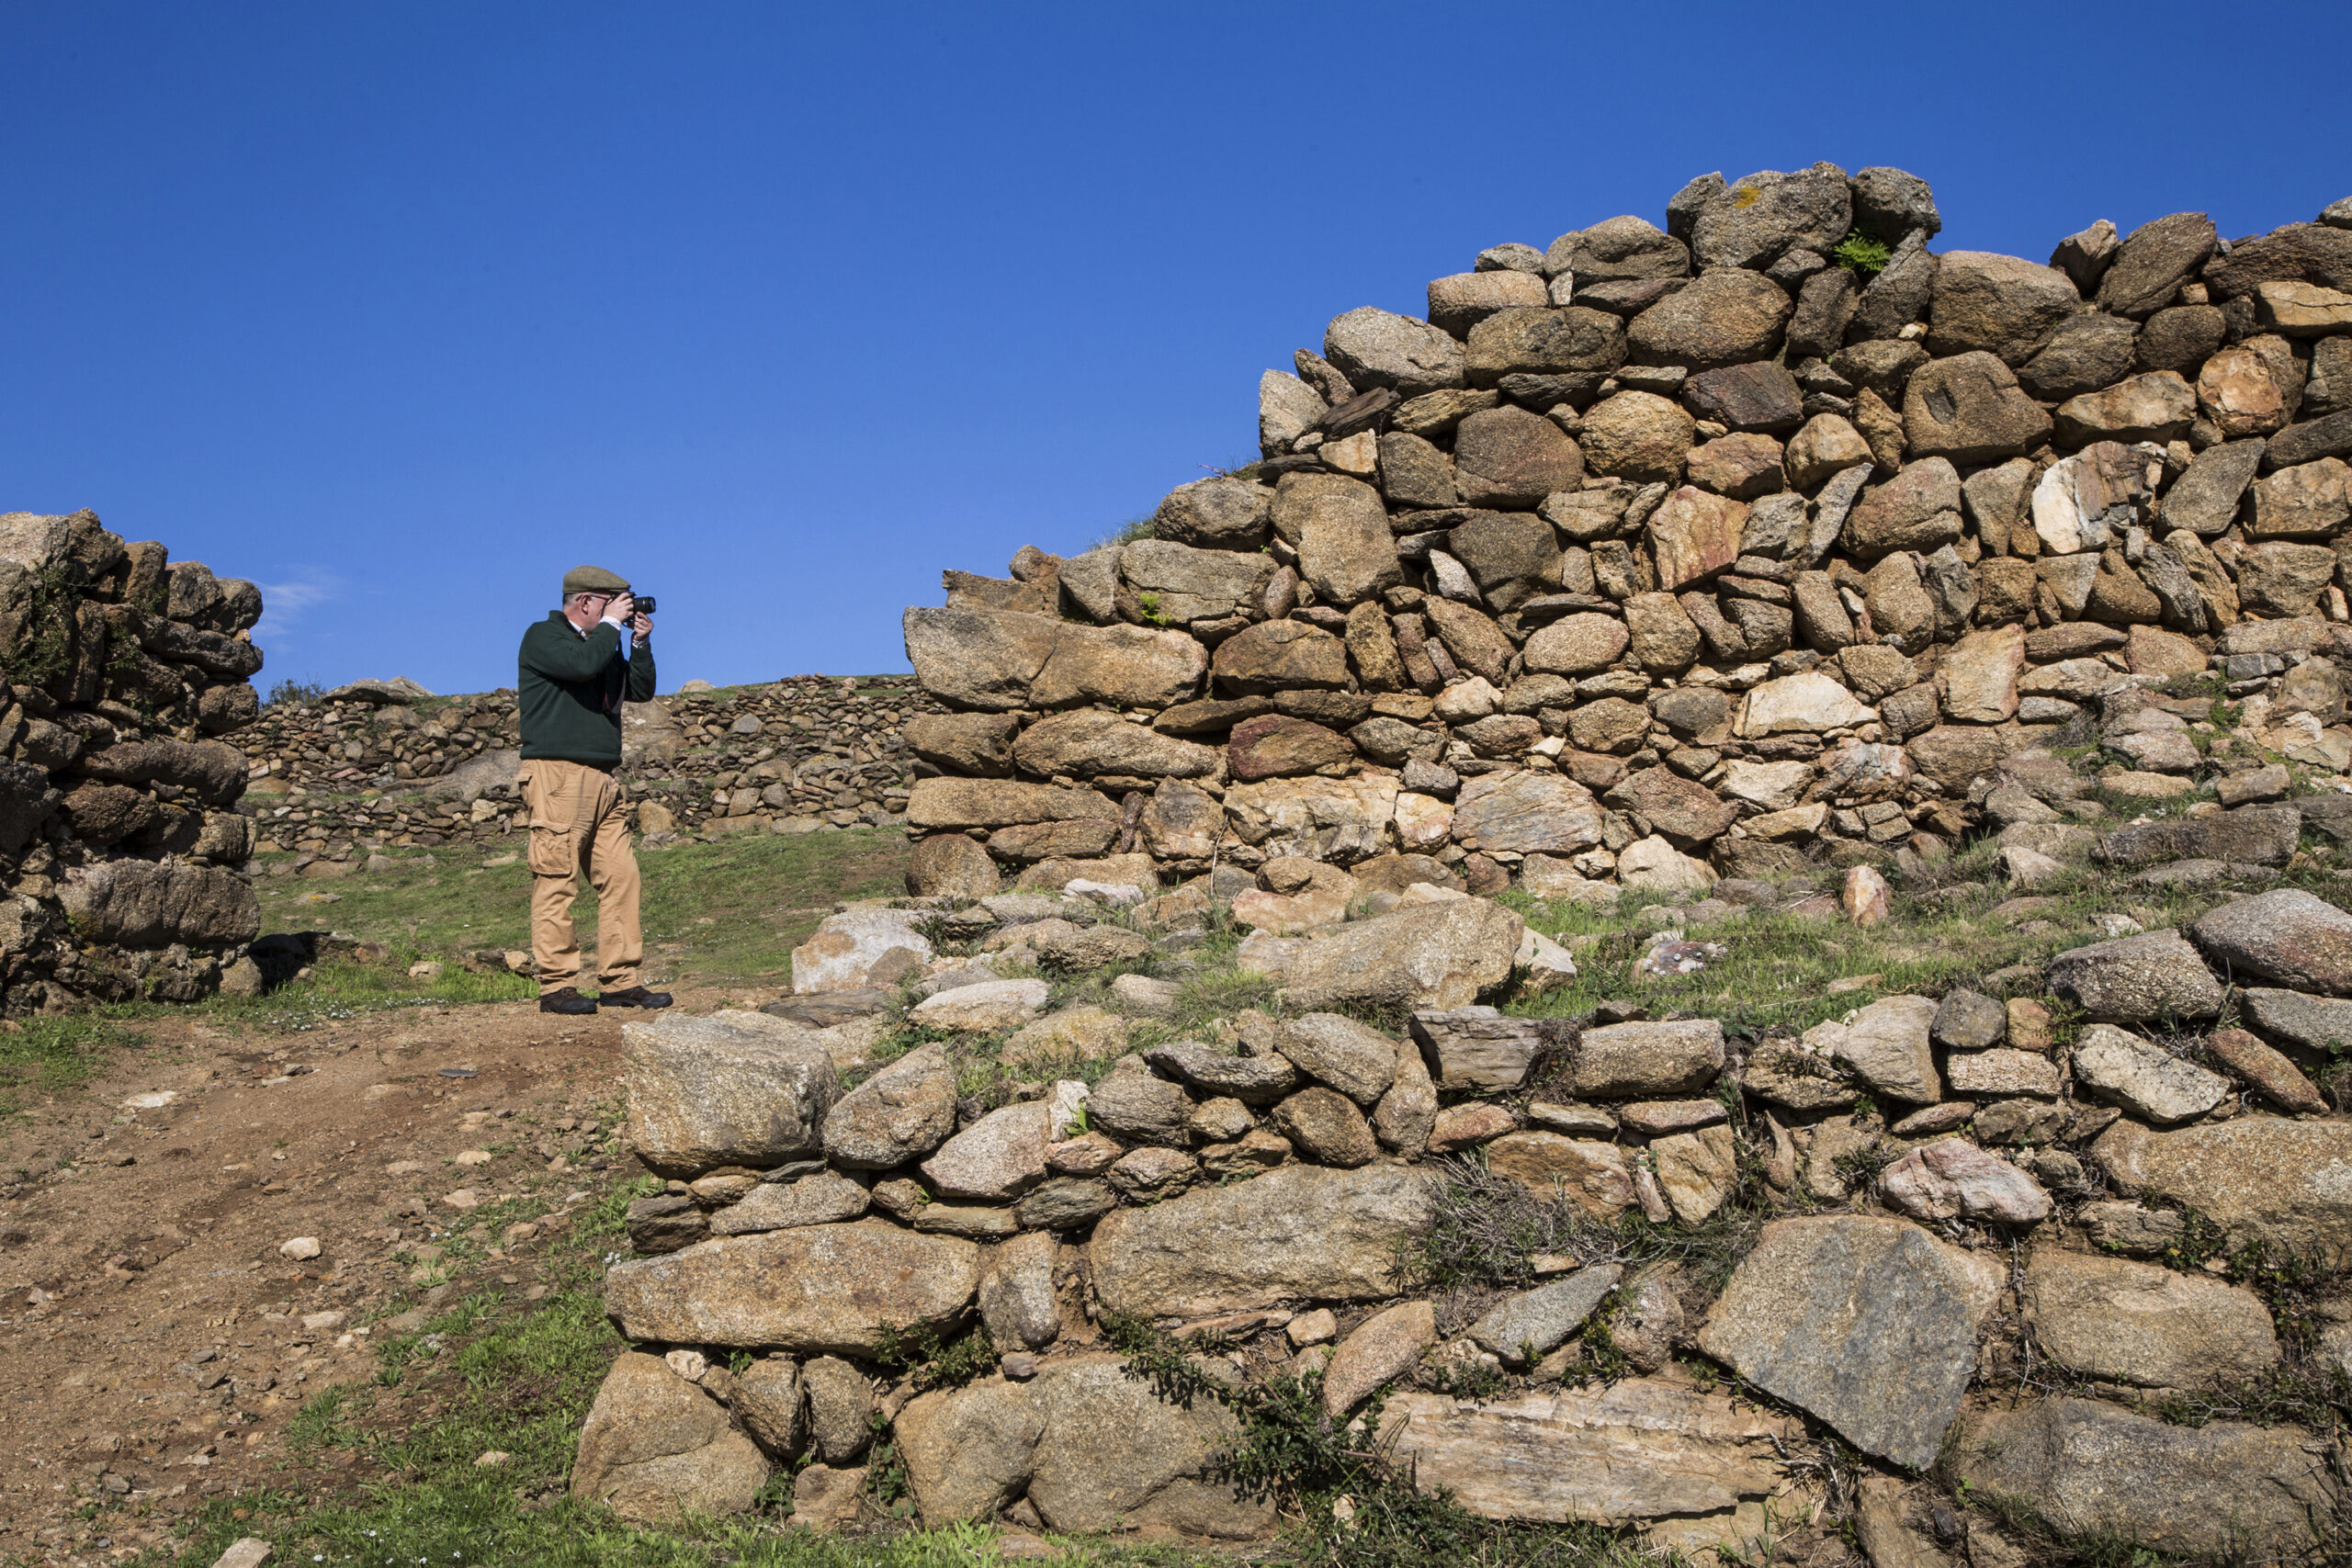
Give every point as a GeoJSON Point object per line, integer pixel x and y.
{"type": "Point", "coordinates": [153, 1342]}
{"type": "Point", "coordinates": [153, 1346]}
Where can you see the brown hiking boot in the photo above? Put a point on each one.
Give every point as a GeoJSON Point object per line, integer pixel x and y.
{"type": "Point", "coordinates": [635, 996]}
{"type": "Point", "coordinates": [566, 999]}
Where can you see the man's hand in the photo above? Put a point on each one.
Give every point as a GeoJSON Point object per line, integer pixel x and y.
{"type": "Point", "coordinates": [620, 608]}
{"type": "Point", "coordinates": [640, 626]}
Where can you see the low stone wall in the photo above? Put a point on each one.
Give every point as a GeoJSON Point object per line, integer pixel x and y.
{"type": "Point", "coordinates": [1679, 561]}
{"type": "Point", "coordinates": [1894, 1226]}
{"type": "Point", "coordinates": [1663, 555]}
{"type": "Point", "coordinates": [384, 763]}
{"type": "Point", "coordinates": [121, 849]}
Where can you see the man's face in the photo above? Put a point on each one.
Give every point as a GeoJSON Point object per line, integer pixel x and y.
{"type": "Point", "coordinates": [584, 610]}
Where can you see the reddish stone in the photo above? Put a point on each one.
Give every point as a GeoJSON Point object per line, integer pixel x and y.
{"type": "Point", "coordinates": [1277, 746]}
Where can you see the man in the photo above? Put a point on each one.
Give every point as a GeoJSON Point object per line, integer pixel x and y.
{"type": "Point", "coordinates": [575, 669]}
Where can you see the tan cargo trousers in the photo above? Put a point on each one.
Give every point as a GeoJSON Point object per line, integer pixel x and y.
{"type": "Point", "coordinates": [578, 824]}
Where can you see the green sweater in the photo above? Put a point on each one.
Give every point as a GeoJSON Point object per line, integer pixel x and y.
{"type": "Point", "coordinates": [571, 689]}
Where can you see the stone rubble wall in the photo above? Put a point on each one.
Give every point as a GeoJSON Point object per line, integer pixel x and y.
{"type": "Point", "coordinates": [1676, 560]}
{"type": "Point", "coordinates": [1657, 556]}
{"type": "Point", "coordinates": [2020, 1208]}
{"type": "Point", "coordinates": [384, 764]}
{"type": "Point", "coordinates": [120, 843]}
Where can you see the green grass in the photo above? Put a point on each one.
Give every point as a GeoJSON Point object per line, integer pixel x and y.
{"type": "Point", "coordinates": [50, 1055]}
{"type": "Point", "coordinates": [45, 1056]}
{"type": "Point", "coordinates": [727, 912]}
{"type": "Point", "coordinates": [515, 1378]}
{"type": "Point", "coordinates": [1775, 975]}
{"type": "Point", "coordinates": [1127, 533]}
{"type": "Point", "coordinates": [730, 909]}
{"type": "Point", "coordinates": [1778, 967]}
{"type": "Point", "coordinates": [740, 905]}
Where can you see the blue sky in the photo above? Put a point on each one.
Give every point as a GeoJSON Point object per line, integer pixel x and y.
{"type": "Point", "coordinates": [400, 310]}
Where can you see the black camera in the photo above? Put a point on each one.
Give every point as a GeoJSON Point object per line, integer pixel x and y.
{"type": "Point", "coordinates": [644, 604]}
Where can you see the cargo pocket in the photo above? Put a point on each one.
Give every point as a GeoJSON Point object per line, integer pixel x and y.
{"type": "Point", "coordinates": [550, 851]}
{"type": "Point", "coordinates": [551, 854]}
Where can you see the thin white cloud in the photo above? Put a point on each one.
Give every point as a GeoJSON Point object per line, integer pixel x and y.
{"type": "Point", "coordinates": [285, 605]}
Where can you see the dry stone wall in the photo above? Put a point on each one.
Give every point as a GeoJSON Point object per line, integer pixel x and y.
{"type": "Point", "coordinates": [1900, 1226]}
{"type": "Point", "coordinates": [381, 765]}
{"type": "Point", "coordinates": [1663, 555]}
{"type": "Point", "coordinates": [1678, 561]}
{"type": "Point", "coordinates": [120, 844]}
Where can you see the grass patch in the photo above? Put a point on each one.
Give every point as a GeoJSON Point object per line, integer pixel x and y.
{"type": "Point", "coordinates": [1356, 1507]}
{"type": "Point", "coordinates": [49, 1055]}
{"type": "Point", "coordinates": [492, 1375]}
{"type": "Point", "coordinates": [1778, 967]}
{"type": "Point", "coordinates": [727, 911]}
{"type": "Point", "coordinates": [1127, 533]}
{"type": "Point", "coordinates": [1484, 1228]}
{"type": "Point", "coordinates": [324, 1421]}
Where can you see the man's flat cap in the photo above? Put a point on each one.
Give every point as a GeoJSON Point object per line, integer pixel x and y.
{"type": "Point", "coordinates": [592, 580]}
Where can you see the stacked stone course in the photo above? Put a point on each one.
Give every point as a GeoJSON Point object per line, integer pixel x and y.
{"type": "Point", "coordinates": [119, 844]}
{"type": "Point", "coordinates": [1660, 556]}
{"type": "Point", "coordinates": [1617, 574]}
{"type": "Point", "coordinates": [2019, 1196]}
{"type": "Point", "coordinates": [381, 765]}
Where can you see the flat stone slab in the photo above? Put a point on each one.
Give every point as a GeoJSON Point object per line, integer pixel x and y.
{"type": "Point", "coordinates": [2091, 1468]}
{"type": "Point", "coordinates": [2314, 1022]}
{"type": "Point", "coordinates": [823, 1198]}
{"type": "Point", "coordinates": [2288, 937]}
{"type": "Point", "coordinates": [979, 1009]}
{"type": "Point", "coordinates": [736, 1088]}
{"type": "Point", "coordinates": [2137, 1322]}
{"type": "Point", "coordinates": [1869, 1324]}
{"type": "Point", "coordinates": [815, 1290]}
{"type": "Point", "coordinates": [2137, 979]}
{"type": "Point", "coordinates": [1952, 1176]}
{"type": "Point", "coordinates": [1299, 1233]}
{"type": "Point", "coordinates": [1093, 1447]}
{"type": "Point", "coordinates": [2142, 1076]}
{"type": "Point", "coordinates": [1479, 1047]}
{"type": "Point", "coordinates": [1635, 1450]}
{"type": "Point", "coordinates": [1643, 1061]}
{"type": "Point", "coordinates": [1254, 1080]}
{"type": "Point", "coordinates": [1529, 1325]}
{"type": "Point", "coordinates": [2253, 835]}
{"type": "Point", "coordinates": [2259, 1178]}
{"type": "Point", "coordinates": [1429, 955]}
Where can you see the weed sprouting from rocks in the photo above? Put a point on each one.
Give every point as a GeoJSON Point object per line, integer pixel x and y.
{"type": "Point", "coordinates": [1485, 1229]}
{"type": "Point", "coordinates": [1361, 1508]}
{"type": "Point", "coordinates": [1861, 1168]}
{"type": "Point", "coordinates": [1865, 253]}
{"type": "Point", "coordinates": [932, 1364]}
{"type": "Point", "coordinates": [2050, 1544]}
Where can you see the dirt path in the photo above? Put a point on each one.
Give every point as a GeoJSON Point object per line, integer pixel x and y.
{"type": "Point", "coordinates": [156, 1333]}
